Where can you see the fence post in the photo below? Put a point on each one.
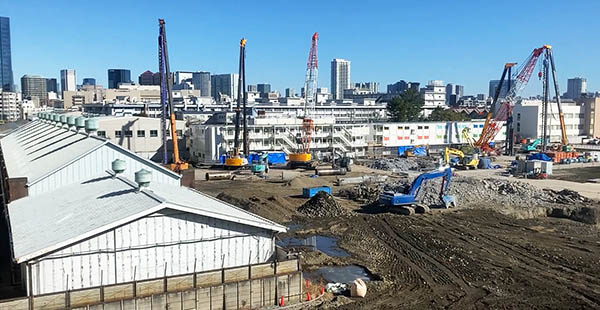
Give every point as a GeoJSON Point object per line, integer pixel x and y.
{"type": "Point", "coordinates": [276, 281]}
{"type": "Point", "coordinates": [165, 279]}
{"type": "Point", "coordinates": [134, 282]}
{"type": "Point", "coordinates": [67, 294]}
{"type": "Point", "coordinates": [102, 286]}
{"type": "Point", "coordinates": [30, 291]}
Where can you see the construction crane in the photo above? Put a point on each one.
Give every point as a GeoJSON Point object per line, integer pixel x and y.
{"type": "Point", "coordinates": [303, 157]}
{"type": "Point", "coordinates": [166, 100]}
{"type": "Point", "coordinates": [235, 160]}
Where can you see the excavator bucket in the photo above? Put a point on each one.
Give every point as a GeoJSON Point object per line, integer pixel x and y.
{"type": "Point", "coordinates": [449, 201]}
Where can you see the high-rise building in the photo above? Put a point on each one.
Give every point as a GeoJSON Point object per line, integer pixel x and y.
{"type": "Point", "coordinates": [575, 87]}
{"type": "Point", "coordinates": [118, 76]}
{"type": "Point", "coordinates": [252, 88]}
{"type": "Point", "coordinates": [434, 95]}
{"type": "Point", "coordinates": [201, 81]}
{"type": "Point", "coordinates": [181, 76]}
{"type": "Point", "coordinates": [369, 87]}
{"type": "Point", "coordinates": [263, 88]}
{"type": "Point", "coordinates": [289, 92]}
{"type": "Point", "coordinates": [89, 81]}
{"type": "Point", "coordinates": [453, 93]}
{"type": "Point", "coordinates": [6, 73]}
{"type": "Point", "coordinates": [224, 84]}
{"type": "Point", "coordinates": [68, 80]}
{"type": "Point", "coordinates": [147, 78]}
{"type": "Point", "coordinates": [9, 106]}
{"type": "Point", "coordinates": [34, 86]}
{"type": "Point", "coordinates": [52, 85]}
{"type": "Point", "coordinates": [340, 77]}
{"type": "Point", "coordinates": [494, 85]}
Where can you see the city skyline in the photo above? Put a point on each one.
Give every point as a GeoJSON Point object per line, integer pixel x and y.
{"type": "Point", "coordinates": [277, 55]}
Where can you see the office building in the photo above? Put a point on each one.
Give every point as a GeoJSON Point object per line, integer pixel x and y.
{"type": "Point", "coordinates": [224, 86]}
{"type": "Point", "coordinates": [9, 106]}
{"type": "Point", "coordinates": [147, 78]}
{"type": "Point", "coordinates": [89, 82]}
{"type": "Point", "coordinates": [527, 120]}
{"type": "Point", "coordinates": [34, 86]}
{"type": "Point", "coordinates": [6, 73]}
{"type": "Point", "coordinates": [289, 92]}
{"type": "Point", "coordinates": [181, 76]}
{"type": "Point", "coordinates": [367, 87]}
{"type": "Point", "coordinates": [434, 95]}
{"type": "Point", "coordinates": [118, 76]}
{"type": "Point", "coordinates": [52, 85]}
{"type": "Point", "coordinates": [494, 85]}
{"type": "Point", "coordinates": [67, 80]}
{"type": "Point", "coordinates": [576, 87]}
{"type": "Point", "coordinates": [453, 93]}
{"type": "Point", "coordinates": [340, 77]}
{"type": "Point", "coordinates": [201, 81]}
{"type": "Point", "coordinates": [402, 86]}
{"type": "Point", "coordinates": [263, 88]}
{"type": "Point", "coordinates": [252, 88]}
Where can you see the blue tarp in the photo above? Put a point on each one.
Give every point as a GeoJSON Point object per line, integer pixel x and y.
{"type": "Point", "coordinates": [484, 163]}
{"type": "Point", "coordinates": [539, 156]}
{"type": "Point", "coordinates": [417, 151]}
{"type": "Point", "coordinates": [274, 158]}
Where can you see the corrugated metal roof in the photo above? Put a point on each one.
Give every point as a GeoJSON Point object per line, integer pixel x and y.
{"type": "Point", "coordinates": [48, 222]}
{"type": "Point", "coordinates": [38, 149]}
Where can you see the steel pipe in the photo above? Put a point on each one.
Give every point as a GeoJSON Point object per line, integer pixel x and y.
{"type": "Point", "coordinates": [219, 176]}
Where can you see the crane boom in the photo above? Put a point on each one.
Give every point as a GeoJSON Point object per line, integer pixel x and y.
{"type": "Point", "coordinates": [166, 97]}
{"type": "Point", "coordinates": [561, 116]}
{"type": "Point", "coordinates": [235, 160]}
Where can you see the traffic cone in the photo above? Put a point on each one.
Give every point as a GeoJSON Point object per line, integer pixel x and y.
{"type": "Point", "coordinates": [322, 290]}
{"type": "Point", "coordinates": [308, 296]}
{"type": "Point", "coordinates": [281, 303]}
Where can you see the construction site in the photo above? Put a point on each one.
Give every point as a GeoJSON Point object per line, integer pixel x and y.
{"type": "Point", "coordinates": [475, 223]}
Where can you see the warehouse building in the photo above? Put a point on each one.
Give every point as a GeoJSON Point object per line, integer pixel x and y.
{"type": "Point", "coordinates": [57, 150]}
{"type": "Point", "coordinates": [108, 229]}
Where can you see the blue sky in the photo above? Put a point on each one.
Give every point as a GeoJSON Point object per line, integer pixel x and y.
{"type": "Point", "coordinates": [463, 42]}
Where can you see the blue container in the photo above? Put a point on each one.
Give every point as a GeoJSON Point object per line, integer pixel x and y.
{"type": "Point", "coordinates": [308, 192]}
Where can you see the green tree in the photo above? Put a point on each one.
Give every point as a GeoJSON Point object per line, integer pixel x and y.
{"type": "Point", "coordinates": [440, 114]}
{"type": "Point", "coordinates": [406, 107]}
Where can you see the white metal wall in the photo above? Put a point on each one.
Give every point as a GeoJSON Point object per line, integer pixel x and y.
{"type": "Point", "coordinates": [96, 163]}
{"type": "Point", "coordinates": [184, 242]}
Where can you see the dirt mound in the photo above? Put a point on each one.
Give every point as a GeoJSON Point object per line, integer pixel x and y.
{"type": "Point", "coordinates": [364, 192]}
{"type": "Point", "coordinates": [238, 202]}
{"type": "Point", "coordinates": [322, 205]}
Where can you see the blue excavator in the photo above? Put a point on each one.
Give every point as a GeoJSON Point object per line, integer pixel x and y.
{"type": "Point", "coordinates": [407, 202]}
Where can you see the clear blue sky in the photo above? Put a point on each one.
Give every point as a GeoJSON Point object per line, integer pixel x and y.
{"type": "Point", "coordinates": [463, 42]}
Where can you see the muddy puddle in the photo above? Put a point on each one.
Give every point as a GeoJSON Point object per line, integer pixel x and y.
{"type": "Point", "coordinates": [339, 274]}
{"type": "Point", "coordinates": [327, 245]}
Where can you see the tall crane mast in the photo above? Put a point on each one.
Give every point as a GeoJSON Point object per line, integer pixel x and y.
{"type": "Point", "coordinates": [303, 155]}
{"type": "Point", "coordinates": [235, 160]}
{"type": "Point", "coordinates": [166, 100]}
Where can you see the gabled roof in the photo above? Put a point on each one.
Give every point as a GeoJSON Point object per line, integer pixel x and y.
{"type": "Point", "coordinates": [49, 222]}
{"type": "Point", "coordinates": [38, 149]}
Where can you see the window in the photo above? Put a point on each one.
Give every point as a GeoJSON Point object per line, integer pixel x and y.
{"type": "Point", "coordinates": [406, 127]}
{"type": "Point", "coordinates": [118, 134]}
{"type": "Point", "coordinates": [419, 127]}
{"type": "Point", "coordinates": [141, 133]}
{"type": "Point", "coordinates": [518, 117]}
{"type": "Point", "coordinates": [426, 127]}
{"type": "Point", "coordinates": [179, 133]}
{"type": "Point", "coordinates": [102, 133]}
{"type": "Point", "coordinates": [518, 127]}
{"type": "Point", "coordinates": [128, 133]}
{"type": "Point", "coordinates": [153, 133]}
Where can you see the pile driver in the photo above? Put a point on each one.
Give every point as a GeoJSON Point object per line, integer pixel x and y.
{"type": "Point", "coordinates": [235, 160]}
{"type": "Point", "coordinates": [166, 100]}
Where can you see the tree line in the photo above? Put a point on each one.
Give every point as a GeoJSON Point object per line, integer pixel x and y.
{"type": "Point", "coordinates": [408, 105]}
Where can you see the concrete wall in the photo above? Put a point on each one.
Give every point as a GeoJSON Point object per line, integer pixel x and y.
{"type": "Point", "coordinates": [236, 288]}
{"type": "Point", "coordinates": [163, 244]}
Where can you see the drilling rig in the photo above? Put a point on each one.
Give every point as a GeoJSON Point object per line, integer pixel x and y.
{"type": "Point", "coordinates": [235, 160]}
{"type": "Point", "coordinates": [166, 100]}
{"type": "Point", "coordinates": [302, 157]}
{"type": "Point", "coordinates": [519, 80]}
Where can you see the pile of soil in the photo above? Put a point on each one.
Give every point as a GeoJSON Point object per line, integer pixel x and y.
{"type": "Point", "coordinates": [364, 192]}
{"type": "Point", "coordinates": [322, 205]}
{"type": "Point", "coordinates": [404, 164]}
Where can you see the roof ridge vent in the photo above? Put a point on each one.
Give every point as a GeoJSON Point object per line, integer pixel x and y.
{"type": "Point", "coordinates": [143, 178]}
{"type": "Point", "coordinates": [91, 126]}
{"type": "Point", "coordinates": [80, 123]}
{"type": "Point", "coordinates": [118, 166]}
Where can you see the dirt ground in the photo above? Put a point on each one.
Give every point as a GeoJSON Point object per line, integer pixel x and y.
{"type": "Point", "coordinates": [462, 258]}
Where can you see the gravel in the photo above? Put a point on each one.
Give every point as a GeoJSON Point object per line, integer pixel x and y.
{"type": "Point", "coordinates": [403, 164]}
{"type": "Point", "coordinates": [322, 205]}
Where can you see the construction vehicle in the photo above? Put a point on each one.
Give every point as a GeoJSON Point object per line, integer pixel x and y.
{"type": "Point", "coordinates": [235, 160]}
{"type": "Point", "coordinates": [166, 99]}
{"type": "Point", "coordinates": [410, 152]}
{"type": "Point", "coordinates": [302, 157]}
{"type": "Point", "coordinates": [465, 161]}
{"type": "Point", "coordinates": [261, 165]}
{"type": "Point", "coordinates": [407, 202]}
{"type": "Point", "coordinates": [531, 147]}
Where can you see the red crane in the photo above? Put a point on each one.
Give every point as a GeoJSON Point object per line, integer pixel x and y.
{"type": "Point", "coordinates": [303, 155]}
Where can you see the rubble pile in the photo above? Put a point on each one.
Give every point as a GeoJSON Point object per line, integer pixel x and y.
{"type": "Point", "coordinates": [403, 164]}
{"type": "Point", "coordinates": [364, 192]}
{"type": "Point", "coordinates": [565, 196]}
{"type": "Point", "coordinates": [322, 205]}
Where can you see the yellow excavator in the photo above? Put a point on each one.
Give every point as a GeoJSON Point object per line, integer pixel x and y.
{"type": "Point", "coordinates": [465, 161]}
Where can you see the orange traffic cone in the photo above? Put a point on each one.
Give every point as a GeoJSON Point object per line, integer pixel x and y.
{"type": "Point", "coordinates": [308, 296]}
{"type": "Point", "coordinates": [281, 303]}
{"type": "Point", "coordinates": [322, 290]}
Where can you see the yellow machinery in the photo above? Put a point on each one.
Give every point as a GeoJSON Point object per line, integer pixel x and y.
{"type": "Point", "coordinates": [465, 161]}
{"type": "Point", "coordinates": [235, 160]}
{"type": "Point", "coordinates": [166, 95]}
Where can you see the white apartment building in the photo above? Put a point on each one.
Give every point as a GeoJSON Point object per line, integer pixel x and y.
{"type": "Point", "coordinates": [9, 106]}
{"type": "Point", "coordinates": [434, 95]}
{"type": "Point", "coordinates": [68, 80]}
{"type": "Point", "coordinates": [340, 77]}
{"type": "Point", "coordinates": [207, 142]}
{"type": "Point", "coordinates": [527, 120]}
